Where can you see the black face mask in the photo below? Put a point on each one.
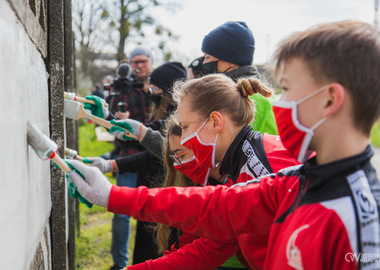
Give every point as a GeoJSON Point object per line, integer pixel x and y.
{"type": "Point", "coordinates": [210, 67]}
{"type": "Point", "coordinates": [156, 99]}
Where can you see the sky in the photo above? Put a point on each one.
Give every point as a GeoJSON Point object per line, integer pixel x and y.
{"type": "Point", "coordinates": [269, 20]}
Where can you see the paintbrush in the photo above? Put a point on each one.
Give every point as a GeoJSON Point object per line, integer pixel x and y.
{"type": "Point", "coordinates": [75, 110]}
{"type": "Point", "coordinates": [44, 147]}
{"type": "Point", "coordinates": [72, 96]}
{"type": "Point", "coordinates": [72, 154]}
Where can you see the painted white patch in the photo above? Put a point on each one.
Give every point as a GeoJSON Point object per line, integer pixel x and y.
{"type": "Point", "coordinates": [25, 179]}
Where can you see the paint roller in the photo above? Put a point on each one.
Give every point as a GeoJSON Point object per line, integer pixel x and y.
{"type": "Point", "coordinates": [75, 110]}
{"type": "Point", "coordinates": [44, 147]}
{"type": "Point", "coordinates": [72, 96]}
{"type": "Point", "coordinates": [72, 154]}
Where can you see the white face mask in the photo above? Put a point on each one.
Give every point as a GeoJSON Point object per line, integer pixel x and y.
{"type": "Point", "coordinates": [295, 137]}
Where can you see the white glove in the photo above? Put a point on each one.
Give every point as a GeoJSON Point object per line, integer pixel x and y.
{"type": "Point", "coordinates": [131, 125]}
{"type": "Point", "coordinates": [104, 165]}
{"type": "Point", "coordinates": [95, 187]}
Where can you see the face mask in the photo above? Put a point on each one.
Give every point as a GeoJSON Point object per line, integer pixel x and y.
{"type": "Point", "coordinates": [156, 99]}
{"type": "Point", "coordinates": [203, 152]}
{"type": "Point", "coordinates": [210, 67]}
{"type": "Point", "coordinates": [295, 137]}
{"type": "Point", "coordinates": [191, 169]}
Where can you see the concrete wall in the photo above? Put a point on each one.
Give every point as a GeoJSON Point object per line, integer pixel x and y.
{"type": "Point", "coordinates": [34, 212]}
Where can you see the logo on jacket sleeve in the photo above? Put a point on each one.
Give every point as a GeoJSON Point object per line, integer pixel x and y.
{"type": "Point", "coordinates": [293, 253]}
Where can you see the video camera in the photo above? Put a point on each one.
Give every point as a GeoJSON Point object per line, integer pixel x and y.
{"type": "Point", "coordinates": [123, 84]}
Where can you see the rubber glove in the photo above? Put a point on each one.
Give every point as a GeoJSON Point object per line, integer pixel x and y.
{"type": "Point", "coordinates": [99, 109]}
{"type": "Point", "coordinates": [90, 182]}
{"type": "Point", "coordinates": [104, 165]}
{"type": "Point", "coordinates": [131, 125]}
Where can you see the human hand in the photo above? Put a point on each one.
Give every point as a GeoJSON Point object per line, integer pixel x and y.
{"type": "Point", "coordinates": [90, 183]}
{"type": "Point", "coordinates": [99, 109]}
{"type": "Point", "coordinates": [131, 125]}
{"type": "Point", "coordinates": [104, 165]}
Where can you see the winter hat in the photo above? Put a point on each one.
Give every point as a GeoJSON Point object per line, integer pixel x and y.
{"type": "Point", "coordinates": [165, 75]}
{"type": "Point", "coordinates": [232, 42]}
{"type": "Point", "coordinates": [140, 51]}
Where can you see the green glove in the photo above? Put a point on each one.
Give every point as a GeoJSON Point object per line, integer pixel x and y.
{"type": "Point", "coordinates": [132, 126]}
{"type": "Point", "coordinates": [99, 108]}
{"type": "Point", "coordinates": [73, 190]}
{"type": "Point", "coordinates": [87, 161]}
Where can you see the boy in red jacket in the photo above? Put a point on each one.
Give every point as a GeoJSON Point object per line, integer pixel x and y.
{"type": "Point", "coordinates": [321, 215]}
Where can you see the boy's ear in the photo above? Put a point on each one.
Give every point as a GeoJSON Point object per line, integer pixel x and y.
{"type": "Point", "coordinates": [335, 99]}
{"type": "Point", "coordinates": [217, 121]}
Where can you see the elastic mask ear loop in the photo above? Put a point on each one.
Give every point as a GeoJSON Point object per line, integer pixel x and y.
{"type": "Point", "coordinates": [227, 70]}
{"type": "Point", "coordinates": [318, 124]}
{"type": "Point", "coordinates": [312, 94]}
{"type": "Point", "coordinates": [202, 125]}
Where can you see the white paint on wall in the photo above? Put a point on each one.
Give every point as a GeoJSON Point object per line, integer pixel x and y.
{"type": "Point", "coordinates": [25, 202]}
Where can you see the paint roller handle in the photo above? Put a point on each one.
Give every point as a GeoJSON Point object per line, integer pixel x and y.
{"type": "Point", "coordinates": [61, 164]}
{"type": "Point", "coordinates": [79, 158]}
{"type": "Point", "coordinates": [72, 96]}
{"type": "Point", "coordinates": [109, 125]}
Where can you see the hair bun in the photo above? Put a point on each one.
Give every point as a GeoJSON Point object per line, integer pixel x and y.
{"type": "Point", "coordinates": [250, 86]}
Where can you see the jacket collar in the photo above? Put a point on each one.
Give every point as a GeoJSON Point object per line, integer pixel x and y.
{"type": "Point", "coordinates": [233, 154]}
{"type": "Point", "coordinates": [329, 170]}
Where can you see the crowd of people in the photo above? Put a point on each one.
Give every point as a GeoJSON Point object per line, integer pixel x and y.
{"type": "Point", "coordinates": [220, 175]}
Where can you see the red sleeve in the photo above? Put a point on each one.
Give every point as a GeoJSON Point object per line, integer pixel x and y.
{"type": "Point", "coordinates": [278, 156]}
{"type": "Point", "coordinates": [199, 210]}
{"type": "Point", "coordinates": [201, 254]}
{"type": "Point", "coordinates": [183, 240]}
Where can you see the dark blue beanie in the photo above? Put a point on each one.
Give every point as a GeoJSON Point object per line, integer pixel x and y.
{"type": "Point", "coordinates": [232, 42]}
{"type": "Point", "coordinates": [165, 75]}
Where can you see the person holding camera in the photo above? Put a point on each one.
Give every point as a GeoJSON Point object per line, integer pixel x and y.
{"type": "Point", "coordinates": [130, 99]}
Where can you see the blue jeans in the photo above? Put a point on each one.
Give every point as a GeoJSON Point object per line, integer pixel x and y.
{"type": "Point", "coordinates": [120, 225]}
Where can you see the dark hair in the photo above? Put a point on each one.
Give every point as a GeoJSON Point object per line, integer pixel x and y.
{"type": "Point", "coordinates": [346, 52]}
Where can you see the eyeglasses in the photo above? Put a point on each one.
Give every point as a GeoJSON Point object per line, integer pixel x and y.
{"type": "Point", "coordinates": [144, 62]}
{"type": "Point", "coordinates": [176, 157]}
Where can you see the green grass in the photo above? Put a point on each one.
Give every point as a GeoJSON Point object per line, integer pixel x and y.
{"type": "Point", "coordinates": [94, 242]}
{"type": "Point", "coordinates": [375, 135]}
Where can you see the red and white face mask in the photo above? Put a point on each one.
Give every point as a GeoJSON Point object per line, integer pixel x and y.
{"type": "Point", "coordinates": [191, 169]}
{"type": "Point", "coordinates": [203, 152]}
{"type": "Point", "coordinates": [295, 137]}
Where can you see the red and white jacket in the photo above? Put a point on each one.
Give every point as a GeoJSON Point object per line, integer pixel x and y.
{"type": "Point", "coordinates": [310, 216]}
{"type": "Point", "coordinates": [250, 155]}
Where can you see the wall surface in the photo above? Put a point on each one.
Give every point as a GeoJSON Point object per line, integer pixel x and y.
{"type": "Point", "coordinates": [25, 192]}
